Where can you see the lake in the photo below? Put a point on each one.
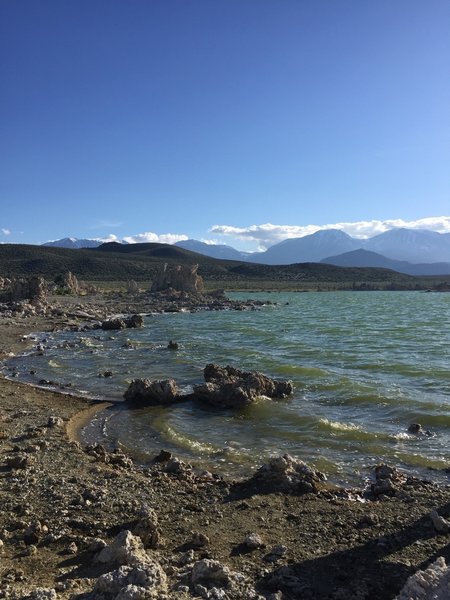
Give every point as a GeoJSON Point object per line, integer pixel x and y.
{"type": "Point", "coordinates": [365, 365]}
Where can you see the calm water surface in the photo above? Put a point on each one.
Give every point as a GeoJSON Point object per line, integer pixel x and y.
{"type": "Point", "coordinates": [364, 366]}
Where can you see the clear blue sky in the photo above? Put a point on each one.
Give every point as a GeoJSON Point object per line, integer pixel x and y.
{"type": "Point", "coordinates": [171, 116]}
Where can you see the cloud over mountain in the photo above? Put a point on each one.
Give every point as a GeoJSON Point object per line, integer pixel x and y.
{"type": "Point", "coordinates": [149, 236]}
{"type": "Point", "coordinates": [267, 234]}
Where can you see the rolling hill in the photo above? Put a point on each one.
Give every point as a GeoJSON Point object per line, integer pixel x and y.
{"type": "Point", "coordinates": [117, 262]}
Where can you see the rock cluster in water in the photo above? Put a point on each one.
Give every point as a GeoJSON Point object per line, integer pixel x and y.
{"type": "Point", "coordinates": [231, 387]}
{"type": "Point", "coordinates": [225, 387]}
{"type": "Point", "coordinates": [152, 392]}
{"type": "Point", "coordinates": [129, 322]}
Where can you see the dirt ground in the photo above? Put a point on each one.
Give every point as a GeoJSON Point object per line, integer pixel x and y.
{"type": "Point", "coordinates": [59, 499]}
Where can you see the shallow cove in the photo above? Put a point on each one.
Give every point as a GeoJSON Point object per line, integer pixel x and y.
{"type": "Point", "coordinates": [364, 366]}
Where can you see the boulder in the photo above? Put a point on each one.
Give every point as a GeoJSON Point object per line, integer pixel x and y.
{"type": "Point", "coordinates": [210, 573]}
{"type": "Point", "coordinates": [130, 322]}
{"type": "Point", "coordinates": [126, 549]}
{"type": "Point", "coordinates": [113, 324]}
{"type": "Point", "coordinates": [134, 321]}
{"type": "Point", "coordinates": [138, 575]}
{"type": "Point", "coordinates": [288, 474]}
{"type": "Point", "coordinates": [152, 392]}
{"type": "Point", "coordinates": [439, 523]}
{"type": "Point", "coordinates": [231, 387]}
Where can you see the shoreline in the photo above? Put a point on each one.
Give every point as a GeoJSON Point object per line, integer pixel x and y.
{"type": "Point", "coordinates": [58, 498]}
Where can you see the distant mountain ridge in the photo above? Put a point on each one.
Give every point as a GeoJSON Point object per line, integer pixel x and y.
{"type": "Point", "coordinates": [367, 258]}
{"type": "Point", "coordinates": [70, 242]}
{"type": "Point", "coordinates": [310, 248]}
{"type": "Point", "coordinates": [214, 250]}
{"type": "Point", "coordinates": [412, 251]}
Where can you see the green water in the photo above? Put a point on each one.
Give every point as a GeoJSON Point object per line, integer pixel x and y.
{"type": "Point", "coordinates": [364, 366]}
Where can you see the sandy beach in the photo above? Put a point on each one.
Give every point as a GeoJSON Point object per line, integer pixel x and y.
{"type": "Point", "coordinates": [199, 535]}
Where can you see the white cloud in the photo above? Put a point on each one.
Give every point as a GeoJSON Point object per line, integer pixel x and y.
{"type": "Point", "coordinates": [148, 236]}
{"type": "Point", "coordinates": [267, 234]}
{"type": "Point", "coordinates": [210, 242]}
{"type": "Point", "coordinates": [109, 238]}
{"type": "Point", "coordinates": [6, 231]}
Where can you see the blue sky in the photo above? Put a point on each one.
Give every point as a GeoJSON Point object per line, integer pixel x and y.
{"type": "Point", "coordinates": [239, 121]}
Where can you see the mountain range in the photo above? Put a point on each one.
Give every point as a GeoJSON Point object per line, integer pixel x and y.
{"type": "Point", "coordinates": [70, 242]}
{"type": "Point", "coordinates": [411, 251]}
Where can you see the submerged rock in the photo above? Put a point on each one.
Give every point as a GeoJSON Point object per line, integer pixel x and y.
{"type": "Point", "coordinates": [231, 387]}
{"type": "Point", "coordinates": [131, 322]}
{"type": "Point", "coordinates": [417, 429]}
{"type": "Point", "coordinates": [152, 392]}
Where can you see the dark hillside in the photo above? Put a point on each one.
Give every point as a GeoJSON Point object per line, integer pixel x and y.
{"type": "Point", "coordinates": [117, 262]}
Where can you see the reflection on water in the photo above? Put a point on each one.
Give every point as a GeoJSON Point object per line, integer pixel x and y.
{"type": "Point", "coordinates": [364, 366]}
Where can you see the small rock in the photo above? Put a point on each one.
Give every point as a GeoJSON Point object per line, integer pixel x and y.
{"type": "Point", "coordinates": [31, 550]}
{"type": "Point", "coordinates": [72, 548]}
{"type": "Point", "coordinates": [96, 544]}
{"type": "Point", "coordinates": [253, 541]}
{"type": "Point", "coordinates": [163, 456]}
{"type": "Point", "coordinates": [55, 422]}
{"type": "Point", "coordinates": [210, 572]}
{"type": "Point", "coordinates": [198, 540]}
{"type": "Point", "coordinates": [175, 466]}
{"type": "Point", "coordinates": [368, 520]}
{"type": "Point", "coordinates": [34, 532]}
{"type": "Point", "coordinates": [276, 553]}
{"type": "Point", "coordinates": [440, 524]}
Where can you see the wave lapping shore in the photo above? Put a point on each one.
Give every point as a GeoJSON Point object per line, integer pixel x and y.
{"type": "Point", "coordinates": [81, 522]}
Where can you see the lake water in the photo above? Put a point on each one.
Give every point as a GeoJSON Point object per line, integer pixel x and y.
{"type": "Point", "coordinates": [364, 366]}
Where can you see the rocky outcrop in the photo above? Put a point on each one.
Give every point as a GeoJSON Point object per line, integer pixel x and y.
{"type": "Point", "coordinates": [70, 283]}
{"type": "Point", "coordinates": [138, 575]}
{"type": "Point", "coordinates": [182, 278]}
{"type": "Point", "coordinates": [33, 289]}
{"type": "Point", "coordinates": [4, 282]}
{"type": "Point", "coordinates": [132, 287]}
{"type": "Point", "coordinates": [152, 392]}
{"type": "Point", "coordinates": [231, 387]}
{"type": "Point", "coordinates": [147, 529]}
{"type": "Point", "coordinates": [431, 584]}
{"type": "Point", "coordinates": [212, 580]}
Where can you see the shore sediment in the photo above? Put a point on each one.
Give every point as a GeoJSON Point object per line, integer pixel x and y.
{"type": "Point", "coordinates": [61, 503]}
